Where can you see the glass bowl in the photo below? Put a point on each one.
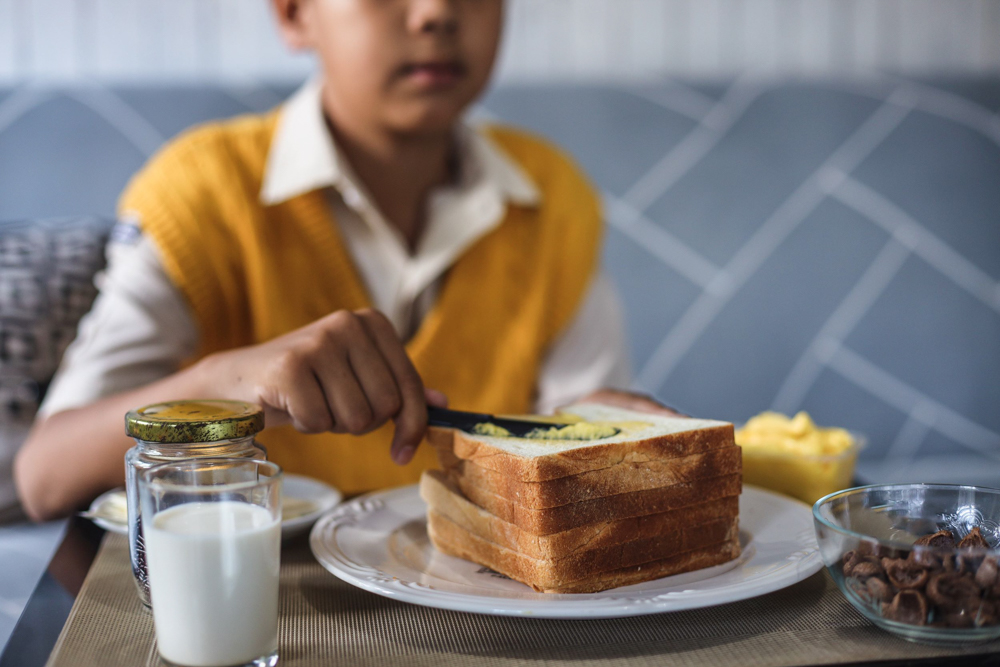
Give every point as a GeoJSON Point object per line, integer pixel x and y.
{"type": "Point", "coordinates": [807, 477]}
{"type": "Point", "coordinates": [879, 545]}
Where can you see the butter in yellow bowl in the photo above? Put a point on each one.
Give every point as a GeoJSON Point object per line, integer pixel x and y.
{"type": "Point", "coordinates": [795, 457]}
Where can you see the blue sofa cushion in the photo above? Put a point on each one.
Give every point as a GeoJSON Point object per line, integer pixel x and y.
{"type": "Point", "coordinates": [830, 246]}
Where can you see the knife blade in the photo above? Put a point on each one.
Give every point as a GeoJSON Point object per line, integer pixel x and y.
{"type": "Point", "coordinates": [466, 421]}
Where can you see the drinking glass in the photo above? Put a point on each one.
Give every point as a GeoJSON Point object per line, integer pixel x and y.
{"type": "Point", "coordinates": [213, 544]}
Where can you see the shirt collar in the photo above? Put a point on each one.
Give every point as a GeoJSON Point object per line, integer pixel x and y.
{"type": "Point", "coordinates": [304, 157]}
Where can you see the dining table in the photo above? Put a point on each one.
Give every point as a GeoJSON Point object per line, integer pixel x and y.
{"type": "Point", "coordinates": [84, 612]}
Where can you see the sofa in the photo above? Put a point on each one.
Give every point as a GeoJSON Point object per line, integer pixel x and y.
{"type": "Point", "coordinates": [829, 246]}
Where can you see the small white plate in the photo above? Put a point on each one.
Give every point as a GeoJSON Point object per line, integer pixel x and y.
{"type": "Point", "coordinates": [379, 543]}
{"type": "Point", "coordinates": [109, 511]}
{"type": "Point", "coordinates": [299, 487]}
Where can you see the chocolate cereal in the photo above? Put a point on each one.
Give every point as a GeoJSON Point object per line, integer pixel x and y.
{"type": "Point", "coordinates": [929, 584]}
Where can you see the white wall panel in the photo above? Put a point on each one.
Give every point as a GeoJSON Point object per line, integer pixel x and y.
{"type": "Point", "coordinates": [53, 22]}
{"type": "Point", "coordinates": [546, 39]}
{"type": "Point", "coordinates": [865, 48]}
{"type": "Point", "coordinates": [533, 38]}
{"type": "Point", "coordinates": [814, 45]}
{"type": "Point", "coordinates": [7, 41]}
{"type": "Point", "coordinates": [989, 42]}
{"type": "Point", "coordinates": [704, 26]}
{"type": "Point", "coordinates": [179, 50]}
{"type": "Point", "coordinates": [732, 40]}
{"type": "Point", "coordinates": [677, 36]}
{"type": "Point", "coordinates": [239, 40]}
{"type": "Point", "coordinates": [123, 49]}
{"type": "Point", "coordinates": [889, 34]}
{"type": "Point", "coordinates": [647, 29]}
{"type": "Point", "coordinates": [917, 32]}
{"type": "Point", "coordinates": [761, 40]}
{"type": "Point", "coordinates": [964, 31]}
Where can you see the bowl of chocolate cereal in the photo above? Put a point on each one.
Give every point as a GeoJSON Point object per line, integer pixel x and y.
{"type": "Point", "coordinates": [919, 560]}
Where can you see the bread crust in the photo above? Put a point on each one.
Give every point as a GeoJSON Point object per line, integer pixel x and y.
{"type": "Point", "coordinates": [612, 508]}
{"type": "Point", "coordinates": [547, 573]}
{"type": "Point", "coordinates": [454, 540]}
{"type": "Point", "coordinates": [451, 444]}
{"type": "Point", "coordinates": [444, 497]}
{"type": "Point", "coordinates": [612, 481]}
{"type": "Point", "coordinates": [698, 559]}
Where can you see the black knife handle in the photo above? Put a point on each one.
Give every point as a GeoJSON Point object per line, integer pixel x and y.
{"type": "Point", "coordinates": [455, 418]}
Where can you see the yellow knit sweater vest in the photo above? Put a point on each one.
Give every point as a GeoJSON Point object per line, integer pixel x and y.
{"type": "Point", "coordinates": [252, 272]}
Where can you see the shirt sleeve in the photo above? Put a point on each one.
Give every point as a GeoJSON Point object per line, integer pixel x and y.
{"type": "Point", "coordinates": [590, 354]}
{"type": "Point", "coordinates": [139, 330]}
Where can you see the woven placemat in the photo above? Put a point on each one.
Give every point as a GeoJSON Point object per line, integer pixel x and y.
{"type": "Point", "coordinates": [327, 622]}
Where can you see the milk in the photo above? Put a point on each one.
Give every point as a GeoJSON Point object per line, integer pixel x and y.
{"type": "Point", "coordinates": [213, 577]}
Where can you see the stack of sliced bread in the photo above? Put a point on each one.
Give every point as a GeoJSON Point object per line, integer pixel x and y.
{"type": "Point", "coordinates": [658, 498]}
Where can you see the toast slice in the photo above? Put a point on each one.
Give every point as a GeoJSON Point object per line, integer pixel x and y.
{"type": "Point", "coordinates": [642, 437]}
{"type": "Point", "coordinates": [611, 508]}
{"type": "Point", "coordinates": [551, 577]}
{"type": "Point", "coordinates": [618, 479]}
{"type": "Point", "coordinates": [591, 562]}
{"type": "Point", "coordinates": [698, 559]}
{"type": "Point", "coordinates": [443, 496]}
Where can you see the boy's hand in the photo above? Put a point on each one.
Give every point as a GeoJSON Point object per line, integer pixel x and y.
{"type": "Point", "coordinates": [346, 373]}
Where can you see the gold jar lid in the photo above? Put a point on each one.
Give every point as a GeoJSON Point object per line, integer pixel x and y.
{"type": "Point", "coordinates": [195, 421]}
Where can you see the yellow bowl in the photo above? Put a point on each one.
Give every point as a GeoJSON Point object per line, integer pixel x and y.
{"type": "Point", "coordinates": [805, 477]}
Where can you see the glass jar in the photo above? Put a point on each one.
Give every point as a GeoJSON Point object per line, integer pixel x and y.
{"type": "Point", "coordinates": [179, 430]}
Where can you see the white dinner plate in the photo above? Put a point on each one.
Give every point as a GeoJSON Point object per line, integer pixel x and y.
{"type": "Point", "coordinates": [379, 542]}
{"type": "Point", "coordinates": [109, 510]}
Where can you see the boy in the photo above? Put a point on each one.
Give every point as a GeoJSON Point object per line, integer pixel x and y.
{"type": "Point", "coordinates": [328, 259]}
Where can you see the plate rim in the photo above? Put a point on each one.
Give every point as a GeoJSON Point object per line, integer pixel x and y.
{"type": "Point", "coordinates": [296, 525]}
{"type": "Point", "coordinates": [300, 523]}
{"type": "Point", "coordinates": [798, 566]}
{"type": "Point", "coordinates": [103, 522]}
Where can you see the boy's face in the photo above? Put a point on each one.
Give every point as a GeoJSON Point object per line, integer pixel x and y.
{"type": "Point", "coordinates": [410, 66]}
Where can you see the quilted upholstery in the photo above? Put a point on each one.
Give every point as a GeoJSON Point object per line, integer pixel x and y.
{"type": "Point", "coordinates": [47, 272]}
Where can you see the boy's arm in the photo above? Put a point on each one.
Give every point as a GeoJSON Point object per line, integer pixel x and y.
{"type": "Point", "coordinates": [345, 373]}
{"type": "Point", "coordinates": [590, 354]}
{"type": "Point", "coordinates": [139, 330]}
{"type": "Point", "coordinates": [589, 362]}
{"type": "Point", "coordinates": [73, 455]}
{"type": "Point", "coordinates": [137, 333]}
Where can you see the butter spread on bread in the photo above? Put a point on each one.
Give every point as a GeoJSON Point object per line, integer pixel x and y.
{"type": "Point", "coordinates": [577, 429]}
{"type": "Point", "coordinates": [489, 428]}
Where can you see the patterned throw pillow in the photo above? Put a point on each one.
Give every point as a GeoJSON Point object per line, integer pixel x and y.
{"type": "Point", "coordinates": [47, 272]}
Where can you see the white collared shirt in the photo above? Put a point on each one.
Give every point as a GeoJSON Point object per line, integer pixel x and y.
{"type": "Point", "coordinates": [140, 328]}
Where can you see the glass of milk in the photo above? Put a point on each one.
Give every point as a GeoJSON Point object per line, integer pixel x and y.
{"type": "Point", "coordinates": [213, 545]}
